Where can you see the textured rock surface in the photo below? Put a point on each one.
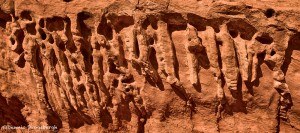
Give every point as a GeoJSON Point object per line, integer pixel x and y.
{"type": "Point", "coordinates": [151, 65]}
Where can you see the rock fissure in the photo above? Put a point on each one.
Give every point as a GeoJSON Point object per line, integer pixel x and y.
{"type": "Point", "coordinates": [151, 66]}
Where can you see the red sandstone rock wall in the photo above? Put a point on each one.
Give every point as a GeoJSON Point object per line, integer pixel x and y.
{"type": "Point", "coordinates": [150, 65]}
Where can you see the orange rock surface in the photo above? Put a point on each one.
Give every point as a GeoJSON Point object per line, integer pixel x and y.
{"type": "Point", "coordinates": [153, 66]}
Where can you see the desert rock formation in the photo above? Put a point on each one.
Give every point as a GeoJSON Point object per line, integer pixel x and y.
{"type": "Point", "coordinates": [154, 66]}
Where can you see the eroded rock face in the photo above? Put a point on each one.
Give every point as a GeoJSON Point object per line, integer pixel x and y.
{"type": "Point", "coordinates": [150, 66]}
